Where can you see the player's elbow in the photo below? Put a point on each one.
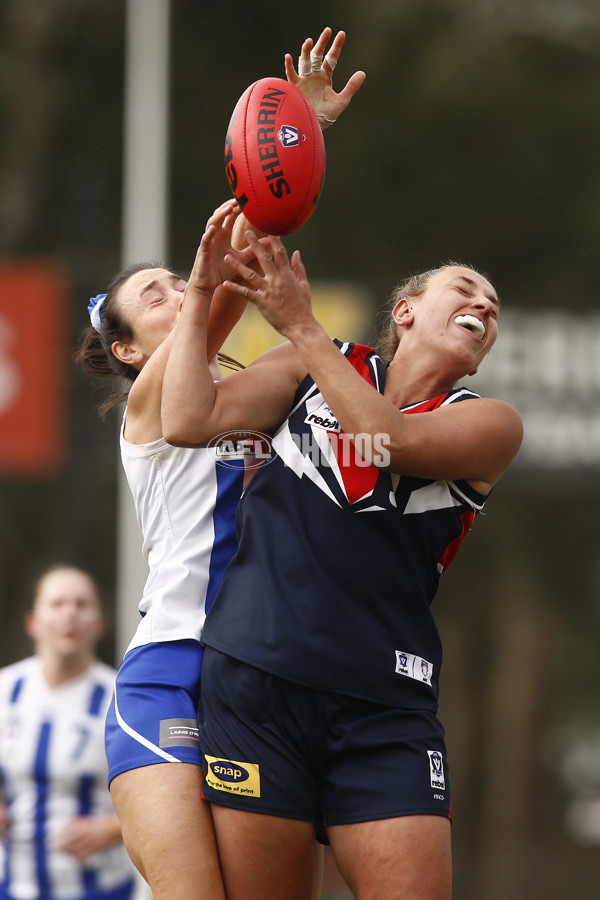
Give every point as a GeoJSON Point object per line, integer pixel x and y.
{"type": "Point", "coordinates": [181, 432]}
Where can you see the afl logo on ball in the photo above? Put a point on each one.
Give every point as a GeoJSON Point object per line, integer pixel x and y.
{"type": "Point", "coordinates": [289, 136]}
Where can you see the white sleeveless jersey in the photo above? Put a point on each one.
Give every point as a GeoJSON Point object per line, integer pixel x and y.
{"type": "Point", "coordinates": [54, 769]}
{"type": "Point", "coordinates": [185, 505]}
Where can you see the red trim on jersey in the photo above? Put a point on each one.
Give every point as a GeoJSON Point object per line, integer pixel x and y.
{"type": "Point", "coordinates": [359, 480]}
{"type": "Point", "coordinates": [467, 518]}
{"type": "Point", "coordinates": [356, 358]}
{"type": "Point", "coordinates": [426, 405]}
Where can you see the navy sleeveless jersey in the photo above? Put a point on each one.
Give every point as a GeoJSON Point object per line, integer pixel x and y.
{"type": "Point", "coordinates": [338, 561]}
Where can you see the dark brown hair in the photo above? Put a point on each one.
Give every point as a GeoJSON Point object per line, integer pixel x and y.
{"type": "Point", "coordinates": [95, 355]}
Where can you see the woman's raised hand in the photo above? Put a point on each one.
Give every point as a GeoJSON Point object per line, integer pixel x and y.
{"type": "Point", "coordinates": [315, 75]}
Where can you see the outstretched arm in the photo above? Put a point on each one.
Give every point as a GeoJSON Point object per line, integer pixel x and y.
{"type": "Point", "coordinates": [143, 422]}
{"type": "Point", "coordinates": [195, 408]}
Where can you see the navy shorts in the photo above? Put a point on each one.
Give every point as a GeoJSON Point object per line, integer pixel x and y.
{"type": "Point", "coordinates": [278, 748]}
{"type": "Point", "coordinates": [153, 714]}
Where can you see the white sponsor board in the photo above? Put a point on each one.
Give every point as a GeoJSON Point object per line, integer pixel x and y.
{"type": "Point", "coordinates": [547, 365]}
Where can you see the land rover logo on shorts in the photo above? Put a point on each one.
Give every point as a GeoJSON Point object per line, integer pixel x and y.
{"type": "Point", "coordinates": [232, 776]}
{"type": "Point", "coordinates": [251, 447]}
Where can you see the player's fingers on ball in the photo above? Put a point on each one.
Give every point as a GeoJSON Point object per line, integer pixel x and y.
{"type": "Point", "coordinates": [232, 208]}
{"type": "Point", "coordinates": [275, 244]}
{"type": "Point", "coordinates": [234, 287]}
{"type": "Point", "coordinates": [238, 265]}
{"type": "Point", "coordinates": [225, 207]}
{"type": "Point", "coordinates": [250, 276]}
{"type": "Point", "coordinates": [266, 258]}
{"type": "Point", "coordinates": [208, 233]}
{"type": "Point", "coordinates": [227, 221]}
{"type": "Point", "coordinates": [252, 237]}
{"type": "Point", "coordinates": [234, 213]}
{"type": "Point", "coordinates": [297, 265]}
{"type": "Point", "coordinates": [280, 257]}
{"type": "Point", "coordinates": [227, 218]}
{"type": "Point", "coordinates": [249, 292]}
{"type": "Point", "coordinates": [246, 255]}
{"type": "Point", "coordinates": [219, 213]}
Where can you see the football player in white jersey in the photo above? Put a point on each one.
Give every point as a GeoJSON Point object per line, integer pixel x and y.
{"type": "Point", "coordinates": [188, 539]}
{"type": "Point", "coordinates": [60, 835]}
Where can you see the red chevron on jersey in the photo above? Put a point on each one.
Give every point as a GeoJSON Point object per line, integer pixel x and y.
{"type": "Point", "coordinates": [436, 402]}
{"type": "Point", "coordinates": [357, 358]}
{"type": "Point", "coordinates": [359, 479]}
{"type": "Point", "coordinates": [467, 518]}
{"type": "Point", "coordinates": [426, 405]}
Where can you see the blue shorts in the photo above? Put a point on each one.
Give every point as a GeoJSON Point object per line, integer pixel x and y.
{"type": "Point", "coordinates": [282, 749]}
{"type": "Point", "coordinates": [153, 714]}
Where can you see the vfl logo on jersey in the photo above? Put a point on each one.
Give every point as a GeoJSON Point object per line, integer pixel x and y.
{"type": "Point", "coordinates": [289, 136]}
{"type": "Point", "coordinates": [233, 777]}
{"type": "Point", "coordinates": [436, 770]}
{"type": "Point", "coordinates": [414, 667]}
{"type": "Point", "coordinates": [321, 417]}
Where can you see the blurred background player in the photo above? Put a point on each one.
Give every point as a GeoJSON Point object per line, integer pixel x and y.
{"type": "Point", "coordinates": [60, 835]}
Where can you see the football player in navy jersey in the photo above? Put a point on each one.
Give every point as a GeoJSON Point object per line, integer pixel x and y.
{"type": "Point", "coordinates": [322, 661]}
{"type": "Point", "coordinates": [185, 507]}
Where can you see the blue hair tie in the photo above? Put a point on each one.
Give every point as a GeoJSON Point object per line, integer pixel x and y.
{"type": "Point", "coordinates": [95, 310]}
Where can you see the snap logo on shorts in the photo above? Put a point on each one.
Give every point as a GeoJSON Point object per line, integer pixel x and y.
{"type": "Point", "coordinates": [233, 777]}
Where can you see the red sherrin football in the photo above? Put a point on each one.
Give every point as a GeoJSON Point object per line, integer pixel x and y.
{"type": "Point", "coordinates": [275, 156]}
